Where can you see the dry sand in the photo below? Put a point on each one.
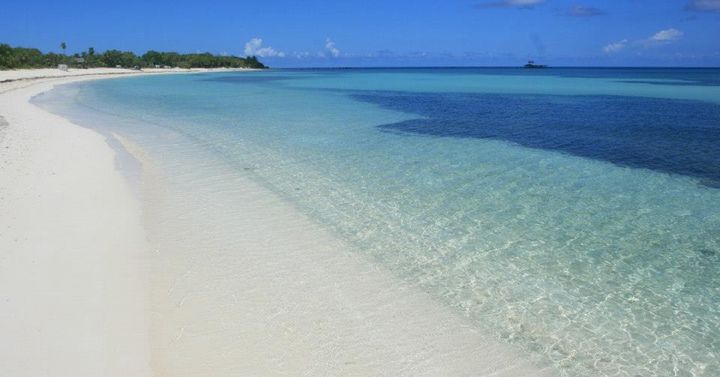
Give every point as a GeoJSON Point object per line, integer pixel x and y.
{"type": "Point", "coordinates": [73, 296]}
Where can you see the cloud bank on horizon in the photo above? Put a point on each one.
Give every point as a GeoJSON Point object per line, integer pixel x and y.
{"type": "Point", "coordinates": [254, 47]}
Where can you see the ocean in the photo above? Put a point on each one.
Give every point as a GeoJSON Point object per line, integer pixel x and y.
{"type": "Point", "coordinates": [571, 213]}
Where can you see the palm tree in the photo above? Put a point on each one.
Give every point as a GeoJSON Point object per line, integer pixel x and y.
{"type": "Point", "coordinates": [63, 46]}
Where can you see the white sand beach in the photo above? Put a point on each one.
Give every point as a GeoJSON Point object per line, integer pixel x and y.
{"type": "Point", "coordinates": [72, 282]}
{"type": "Point", "coordinates": [46, 73]}
{"type": "Point", "coordinates": [96, 282]}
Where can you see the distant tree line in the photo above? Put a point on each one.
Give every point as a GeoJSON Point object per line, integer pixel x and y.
{"type": "Point", "coordinates": [21, 57]}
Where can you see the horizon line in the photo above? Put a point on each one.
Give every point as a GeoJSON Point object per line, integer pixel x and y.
{"type": "Point", "coordinates": [502, 66]}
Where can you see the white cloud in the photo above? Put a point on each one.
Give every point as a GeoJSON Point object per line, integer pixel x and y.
{"type": "Point", "coordinates": [511, 4]}
{"type": "Point", "coordinates": [667, 35]}
{"type": "Point", "coordinates": [704, 5]}
{"type": "Point", "coordinates": [615, 47]}
{"type": "Point", "coordinates": [660, 38]}
{"type": "Point", "coordinates": [254, 48]}
{"type": "Point", "coordinates": [330, 47]}
{"type": "Point", "coordinates": [583, 11]}
{"type": "Point", "coordinates": [523, 3]}
{"type": "Point", "coordinates": [301, 54]}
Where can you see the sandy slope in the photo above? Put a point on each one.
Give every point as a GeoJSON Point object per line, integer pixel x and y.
{"type": "Point", "coordinates": [72, 285]}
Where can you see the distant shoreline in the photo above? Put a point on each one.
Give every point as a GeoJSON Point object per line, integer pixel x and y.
{"type": "Point", "coordinates": [7, 76]}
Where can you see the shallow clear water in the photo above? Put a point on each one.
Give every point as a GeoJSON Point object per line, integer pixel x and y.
{"type": "Point", "coordinates": [573, 213]}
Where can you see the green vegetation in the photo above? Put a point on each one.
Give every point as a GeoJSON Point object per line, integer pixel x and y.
{"type": "Point", "coordinates": [21, 57]}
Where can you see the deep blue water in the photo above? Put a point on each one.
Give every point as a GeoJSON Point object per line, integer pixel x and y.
{"type": "Point", "coordinates": [667, 135]}
{"type": "Point", "coordinates": [688, 76]}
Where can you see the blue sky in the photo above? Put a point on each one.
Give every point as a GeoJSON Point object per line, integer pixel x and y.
{"type": "Point", "coordinates": [315, 33]}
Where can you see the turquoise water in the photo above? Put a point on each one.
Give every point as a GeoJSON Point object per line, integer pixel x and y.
{"type": "Point", "coordinates": [572, 213]}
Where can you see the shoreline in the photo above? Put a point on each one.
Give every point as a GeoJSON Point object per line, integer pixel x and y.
{"type": "Point", "coordinates": [73, 267]}
{"type": "Point", "coordinates": [7, 76]}
{"type": "Point", "coordinates": [72, 277]}
{"type": "Point", "coordinates": [295, 300]}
